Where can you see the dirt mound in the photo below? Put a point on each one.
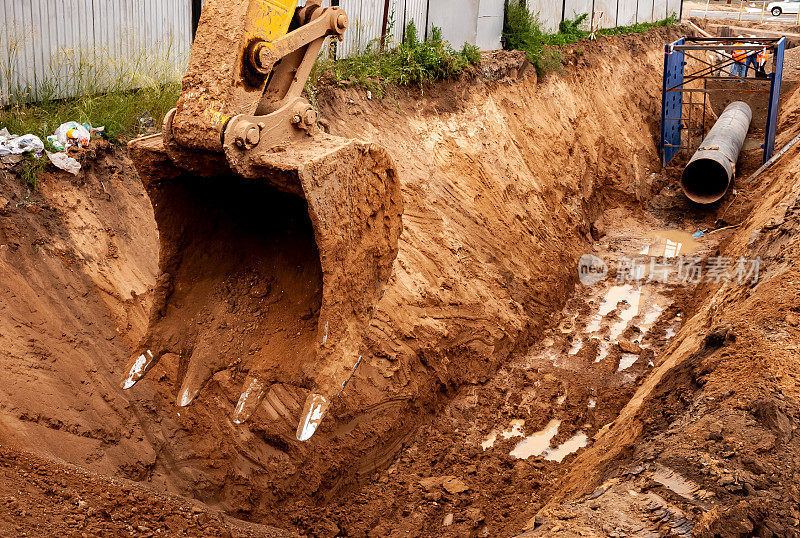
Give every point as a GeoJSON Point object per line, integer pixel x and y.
{"type": "Point", "coordinates": [59, 500]}
{"type": "Point", "coordinates": [77, 260]}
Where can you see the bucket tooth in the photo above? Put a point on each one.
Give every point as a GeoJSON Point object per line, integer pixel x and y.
{"type": "Point", "coordinates": [251, 397]}
{"type": "Point", "coordinates": [203, 364]}
{"type": "Point", "coordinates": [314, 411]}
{"type": "Point", "coordinates": [138, 366]}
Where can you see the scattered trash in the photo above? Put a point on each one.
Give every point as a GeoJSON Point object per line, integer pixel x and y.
{"type": "Point", "coordinates": [699, 233]}
{"type": "Point", "coordinates": [11, 144]}
{"type": "Point", "coordinates": [71, 134]}
{"type": "Point", "coordinates": [64, 162]}
{"type": "Point", "coordinates": [55, 143]}
{"type": "Point", "coordinates": [146, 120]}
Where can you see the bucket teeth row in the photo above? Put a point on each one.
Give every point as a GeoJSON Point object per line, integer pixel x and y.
{"type": "Point", "coordinates": [281, 403]}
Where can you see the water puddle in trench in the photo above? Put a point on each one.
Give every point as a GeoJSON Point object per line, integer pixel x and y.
{"type": "Point", "coordinates": [514, 430]}
{"type": "Point", "coordinates": [538, 443]}
{"type": "Point", "coordinates": [607, 336]}
{"type": "Point", "coordinates": [573, 444]}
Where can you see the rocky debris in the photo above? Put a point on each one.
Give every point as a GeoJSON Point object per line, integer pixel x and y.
{"type": "Point", "coordinates": [769, 414]}
{"type": "Point", "coordinates": [597, 493]}
{"type": "Point", "coordinates": [59, 500]}
{"type": "Point", "coordinates": [260, 289]}
{"type": "Point", "coordinates": [450, 484]}
{"type": "Point", "coordinates": [10, 161]}
{"type": "Point", "coordinates": [431, 483]}
{"type": "Point", "coordinates": [626, 346]}
{"type": "Point", "coordinates": [454, 485]}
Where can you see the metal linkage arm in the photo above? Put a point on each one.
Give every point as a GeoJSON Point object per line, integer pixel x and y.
{"type": "Point", "coordinates": [244, 62]}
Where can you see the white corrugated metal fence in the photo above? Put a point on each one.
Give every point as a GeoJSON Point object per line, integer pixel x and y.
{"type": "Point", "coordinates": [608, 13]}
{"type": "Point", "coordinates": [62, 48]}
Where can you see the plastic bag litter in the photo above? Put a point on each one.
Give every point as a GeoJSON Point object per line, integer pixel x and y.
{"type": "Point", "coordinates": [73, 133]}
{"type": "Point", "coordinates": [55, 143]}
{"type": "Point", "coordinates": [70, 134]}
{"type": "Point", "coordinates": [64, 162]}
{"type": "Point", "coordinates": [15, 145]}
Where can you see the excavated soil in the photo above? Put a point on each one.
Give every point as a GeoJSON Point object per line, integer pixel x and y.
{"type": "Point", "coordinates": [498, 395]}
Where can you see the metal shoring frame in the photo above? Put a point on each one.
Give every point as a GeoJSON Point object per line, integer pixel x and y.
{"type": "Point", "coordinates": [720, 46]}
{"type": "Point", "coordinates": [705, 103]}
{"type": "Point", "coordinates": [689, 123]}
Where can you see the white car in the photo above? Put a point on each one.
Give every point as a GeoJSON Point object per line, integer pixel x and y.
{"type": "Point", "coordinates": [787, 6]}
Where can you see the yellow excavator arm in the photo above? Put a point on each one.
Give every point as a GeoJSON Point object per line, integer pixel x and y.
{"type": "Point", "coordinates": [248, 67]}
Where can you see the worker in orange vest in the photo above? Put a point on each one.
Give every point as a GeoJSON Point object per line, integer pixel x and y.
{"type": "Point", "coordinates": [761, 63]}
{"type": "Point", "coordinates": [738, 68]}
{"type": "Point", "coordinates": [752, 58]}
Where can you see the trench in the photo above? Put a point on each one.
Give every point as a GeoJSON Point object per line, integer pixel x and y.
{"type": "Point", "coordinates": [489, 365]}
{"type": "Point", "coordinates": [553, 395]}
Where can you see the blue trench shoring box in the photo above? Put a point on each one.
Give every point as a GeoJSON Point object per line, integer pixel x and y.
{"type": "Point", "coordinates": [673, 121]}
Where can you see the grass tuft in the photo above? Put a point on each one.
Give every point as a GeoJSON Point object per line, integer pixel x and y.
{"type": "Point", "coordinates": [523, 31]}
{"type": "Point", "coordinates": [90, 85]}
{"type": "Point", "coordinates": [32, 166]}
{"type": "Point", "coordinates": [414, 62]}
{"type": "Point", "coordinates": [125, 114]}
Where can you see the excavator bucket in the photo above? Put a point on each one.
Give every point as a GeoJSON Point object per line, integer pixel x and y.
{"type": "Point", "coordinates": [276, 276]}
{"type": "Point", "coordinates": [276, 240]}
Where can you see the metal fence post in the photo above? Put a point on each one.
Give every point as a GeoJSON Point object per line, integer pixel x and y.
{"type": "Point", "coordinates": [385, 23]}
{"type": "Point", "coordinates": [427, 18]}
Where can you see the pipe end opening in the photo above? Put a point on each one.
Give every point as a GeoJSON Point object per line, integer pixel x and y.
{"type": "Point", "coordinates": [705, 181]}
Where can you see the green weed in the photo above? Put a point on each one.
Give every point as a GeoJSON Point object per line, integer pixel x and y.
{"type": "Point", "coordinates": [639, 28]}
{"type": "Point", "coordinates": [414, 62]}
{"type": "Point", "coordinates": [124, 114]}
{"type": "Point", "coordinates": [32, 166]}
{"type": "Point", "coordinates": [523, 31]}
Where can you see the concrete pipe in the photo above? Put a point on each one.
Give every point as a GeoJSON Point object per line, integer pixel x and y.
{"type": "Point", "coordinates": [710, 171]}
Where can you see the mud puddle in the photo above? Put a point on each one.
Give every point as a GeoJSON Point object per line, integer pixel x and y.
{"type": "Point", "coordinates": [605, 340]}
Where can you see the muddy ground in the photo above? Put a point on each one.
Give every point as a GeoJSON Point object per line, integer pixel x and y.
{"type": "Point", "coordinates": [500, 394]}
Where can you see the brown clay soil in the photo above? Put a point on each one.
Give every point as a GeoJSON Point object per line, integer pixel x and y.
{"type": "Point", "coordinates": [687, 405]}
